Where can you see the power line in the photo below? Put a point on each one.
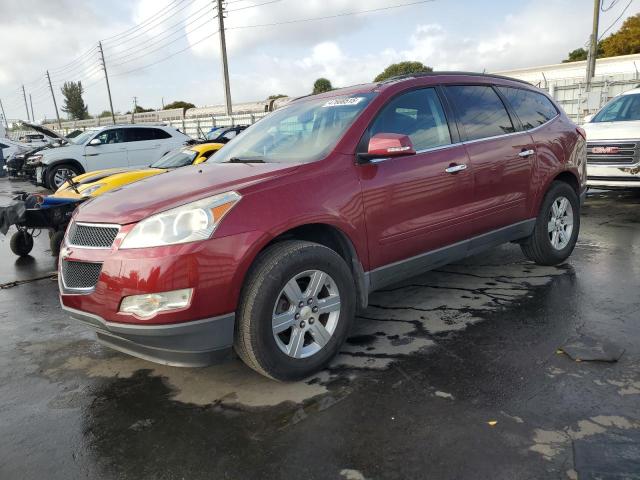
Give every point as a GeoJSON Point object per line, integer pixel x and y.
{"type": "Point", "coordinates": [616, 20]}
{"type": "Point", "coordinates": [344, 14]}
{"type": "Point", "coordinates": [613, 4]}
{"type": "Point", "coordinates": [254, 6]}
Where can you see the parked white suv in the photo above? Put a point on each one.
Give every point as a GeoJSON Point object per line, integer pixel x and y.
{"type": "Point", "coordinates": [613, 143]}
{"type": "Point", "coordinates": [99, 148]}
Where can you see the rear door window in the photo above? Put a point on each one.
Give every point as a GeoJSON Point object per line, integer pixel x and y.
{"type": "Point", "coordinates": [480, 111]}
{"type": "Point", "coordinates": [417, 114]}
{"type": "Point", "coordinates": [140, 134]}
{"type": "Point", "coordinates": [532, 108]}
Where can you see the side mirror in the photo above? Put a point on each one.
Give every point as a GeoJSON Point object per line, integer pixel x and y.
{"type": "Point", "coordinates": [588, 118]}
{"type": "Point", "coordinates": [387, 145]}
{"type": "Point", "coordinates": [95, 141]}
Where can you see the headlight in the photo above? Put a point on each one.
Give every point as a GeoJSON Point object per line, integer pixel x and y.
{"type": "Point", "coordinates": [34, 159]}
{"type": "Point", "coordinates": [187, 223]}
{"type": "Point", "coordinates": [89, 191]}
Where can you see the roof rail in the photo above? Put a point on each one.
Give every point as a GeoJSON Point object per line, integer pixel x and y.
{"type": "Point", "coordinates": [443, 73]}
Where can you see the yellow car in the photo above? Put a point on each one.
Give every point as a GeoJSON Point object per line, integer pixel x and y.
{"type": "Point", "coordinates": [98, 182]}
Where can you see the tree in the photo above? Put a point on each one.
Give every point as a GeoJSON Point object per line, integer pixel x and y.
{"type": "Point", "coordinates": [140, 109]}
{"type": "Point", "coordinates": [277, 96]}
{"type": "Point", "coordinates": [625, 41]}
{"type": "Point", "coordinates": [322, 85]}
{"type": "Point", "coordinates": [576, 55]}
{"type": "Point", "coordinates": [179, 104]}
{"type": "Point", "coordinates": [402, 68]}
{"type": "Point", "coordinates": [73, 102]}
{"type": "Point", "coordinates": [105, 113]}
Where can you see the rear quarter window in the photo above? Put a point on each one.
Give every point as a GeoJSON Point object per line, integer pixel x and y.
{"type": "Point", "coordinates": [480, 111]}
{"type": "Point", "coordinates": [532, 108]}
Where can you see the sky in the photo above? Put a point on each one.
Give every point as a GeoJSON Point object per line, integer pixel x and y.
{"type": "Point", "coordinates": [62, 36]}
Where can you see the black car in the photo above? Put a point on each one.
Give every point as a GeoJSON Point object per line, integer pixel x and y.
{"type": "Point", "coordinates": [224, 134]}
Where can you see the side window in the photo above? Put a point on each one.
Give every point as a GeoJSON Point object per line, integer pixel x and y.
{"type": "Point", "coordinates": [230, 134]}
{"type": "Point", "coordinates": [114, 135]}
{"type": "Point", "coordinates": [139, 134]}
{"type": "Point", "coordinates": [533, 109]}
{"type": "Point", "coordinates": [159, 134]}
{"type": "Point", "coordinates": [417, 114]}
{"type": "Point", "coordinates": [480, 111]}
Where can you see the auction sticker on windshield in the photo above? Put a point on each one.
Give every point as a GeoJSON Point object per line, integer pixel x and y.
{"type": "Point", "coordinates": [337, 102]}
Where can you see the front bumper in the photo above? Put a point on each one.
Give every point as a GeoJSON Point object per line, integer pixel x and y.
{"type": "Point", "coordinates": [190, 344]}
{"type": "Point", "coordinates": [613, 177]}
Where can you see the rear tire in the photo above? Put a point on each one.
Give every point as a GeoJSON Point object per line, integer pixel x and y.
{"type": "Point", "coordinates": [21, 243]}
{"type": "Point", "coordinates": [557, 226]}
{"type": "Point", "coordinates": [288, 339]}
{"type": "Point", "coordinates": [58, 174]}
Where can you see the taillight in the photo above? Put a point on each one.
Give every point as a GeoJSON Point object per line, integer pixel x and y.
{"type": "Point", "coordinates": [581, 132]}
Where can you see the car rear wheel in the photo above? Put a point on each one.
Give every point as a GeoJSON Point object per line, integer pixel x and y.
{"type": "Point", "coordinates": [557, 226]}
{"type": "Point", "coordinates": [295, 311]}
{"type": "Point", "coordinates": [21, 243]}
{"type": "Point", "coordinates": [59, 174]}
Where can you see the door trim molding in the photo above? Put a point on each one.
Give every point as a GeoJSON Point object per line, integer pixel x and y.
{"type": "Point", "coordinates": [403, 269]}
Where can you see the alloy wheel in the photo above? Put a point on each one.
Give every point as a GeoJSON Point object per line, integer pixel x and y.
{"type": "Point", "coordinates": [61, 176]}
{"type": "Point", "coordinates": [560, 224]}
{"type": "Point", "coordinates": [306, 314]}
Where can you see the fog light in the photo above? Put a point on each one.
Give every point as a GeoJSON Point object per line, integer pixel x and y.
{"type": "Point", "coordinates": [152, 303]}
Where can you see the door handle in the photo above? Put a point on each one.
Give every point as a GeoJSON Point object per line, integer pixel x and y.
{"type": "Point", "coordinates": [526, 153]}
{"type": "Point", "coordinates": [455, 168]}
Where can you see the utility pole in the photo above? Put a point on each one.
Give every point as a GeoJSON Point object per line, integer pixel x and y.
{"type": "Point", "coordinates": [33, 117]}
{"type": "Point", "coordinates": [24, 95]}
{"type": "Point", "coordinates": [106, 77]}
{"type": "Point", "coordinates": [6, 124]}
{"type": "Point", "coordinates": [223, 52]}
{"type": "Point", "coordinates": [54, 100]}
{"type": "Point", "coordinates": [135, 107]}
{"type": "Point", "coordinates": [593, 45]}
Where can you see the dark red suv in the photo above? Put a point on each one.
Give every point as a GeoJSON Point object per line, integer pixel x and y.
{"type": "Point", "coordinates": [272, 246]}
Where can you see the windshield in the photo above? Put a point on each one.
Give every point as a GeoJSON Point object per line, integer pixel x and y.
{"type": "Point", "coordinates": [622, 109]}
{"type": "Point", "coordinates": [83, 137]}
{"type": "Point", "coordinates": [304, 131]}
{"type": "Point", "coordinates": [175, 159]}
{"type": "Point", "coordinates": [213, 134]}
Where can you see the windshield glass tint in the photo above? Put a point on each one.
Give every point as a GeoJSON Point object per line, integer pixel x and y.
{"type": "Point", "coordinates": [83, 137]}
{"type": "Point", "coordinates": [622, 109]}
{"type": "Point", "coordinates": [175, 159]}
{"type": "Point", "coordinates": [304, 131]}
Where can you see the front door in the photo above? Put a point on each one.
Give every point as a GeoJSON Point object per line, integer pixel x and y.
{"type": "Point", "coordinates": [415, 204]}
{"type": "Point", "coordinates": [110, 153]}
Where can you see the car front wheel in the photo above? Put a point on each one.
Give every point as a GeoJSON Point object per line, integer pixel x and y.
{"type": "Point", "coordinates": [295, 311]}
{"type": "Point", "coordinates": [59, 174]}
{"type": "Point", "coordinates": [557, 226]}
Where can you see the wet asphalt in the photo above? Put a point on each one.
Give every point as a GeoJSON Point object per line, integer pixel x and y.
{"type": "Point", "coordinates": [456, 374]}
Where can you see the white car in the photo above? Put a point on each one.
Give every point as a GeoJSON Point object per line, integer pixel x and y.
{"type": "Point", "coordinates": [10, 147]}
{"type": "Point", "coordinates": [613, 143]}
{"type": "Point", "coordinates": [113, 146]}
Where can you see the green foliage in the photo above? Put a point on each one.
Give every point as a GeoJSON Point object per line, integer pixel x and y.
{"type": "Point", "coordinates": [73, 103]}
{"type": "Point", "coordinates": [179, 104]}
{"type": "Point", "coordinates": [322, 85]}
{"type": "Point", "coordinates": [626, 41]}
{"type": "Point", "coordinates": [402, 68]}
{"type": "Point", "coordinates": [105, 113]}
{"type": "Point", "coordinates": [276, 96]}
{"type": "Point", "coordinates": [140, 109]}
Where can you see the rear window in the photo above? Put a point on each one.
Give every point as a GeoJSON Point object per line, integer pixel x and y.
{"type": "Point", "coordinates": [480, 111]}
{"type": "Point", "coordinates": [532, 108]}
{"type": "Point", "coordinates": [143, 134]}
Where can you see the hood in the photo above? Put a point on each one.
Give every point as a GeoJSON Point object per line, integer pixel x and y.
{"type": "Point", "coordinates": [183, 185]}
{"type": "Point", "coordinates": [612, 130]}
{"type": "Point", "coordinates": [44, 130]}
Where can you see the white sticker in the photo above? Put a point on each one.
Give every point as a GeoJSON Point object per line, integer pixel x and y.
{"type": "Point", "coordinates": [338, 102]}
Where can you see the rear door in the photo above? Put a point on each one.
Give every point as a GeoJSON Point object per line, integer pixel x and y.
{"type": "Point", "coordinates": [500, 153]}
{"type": "Point", "coordinates": [412, 205]}
{"type": "Point", "coordinates": [109, 154]}
{"type": "Point", "coordinates": [144, 145]}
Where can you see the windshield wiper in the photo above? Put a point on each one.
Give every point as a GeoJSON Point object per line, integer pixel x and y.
{"type": "Point", "coordinates": [245, 160]}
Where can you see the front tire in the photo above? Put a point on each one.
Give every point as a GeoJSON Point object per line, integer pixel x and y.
{"type": "Point", "coordinates": [557, 226]}
{"type": "Point", "coordinates": [58, 174]}
{"type": "Point", "coordinates": [21, 243]}
{"type": "Point", "coordinates": [295, 311]}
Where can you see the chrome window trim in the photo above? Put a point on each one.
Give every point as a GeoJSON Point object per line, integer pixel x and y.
{"type": "Point", "coordinates": [96, 225]}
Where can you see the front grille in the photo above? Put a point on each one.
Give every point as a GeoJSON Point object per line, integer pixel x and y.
{"type": "Point", "coordinates": [612, 153]}
{"type": "Point", "coordinates": [80, 275]}
{"type": "Point", "coordinates": [94, 236]}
